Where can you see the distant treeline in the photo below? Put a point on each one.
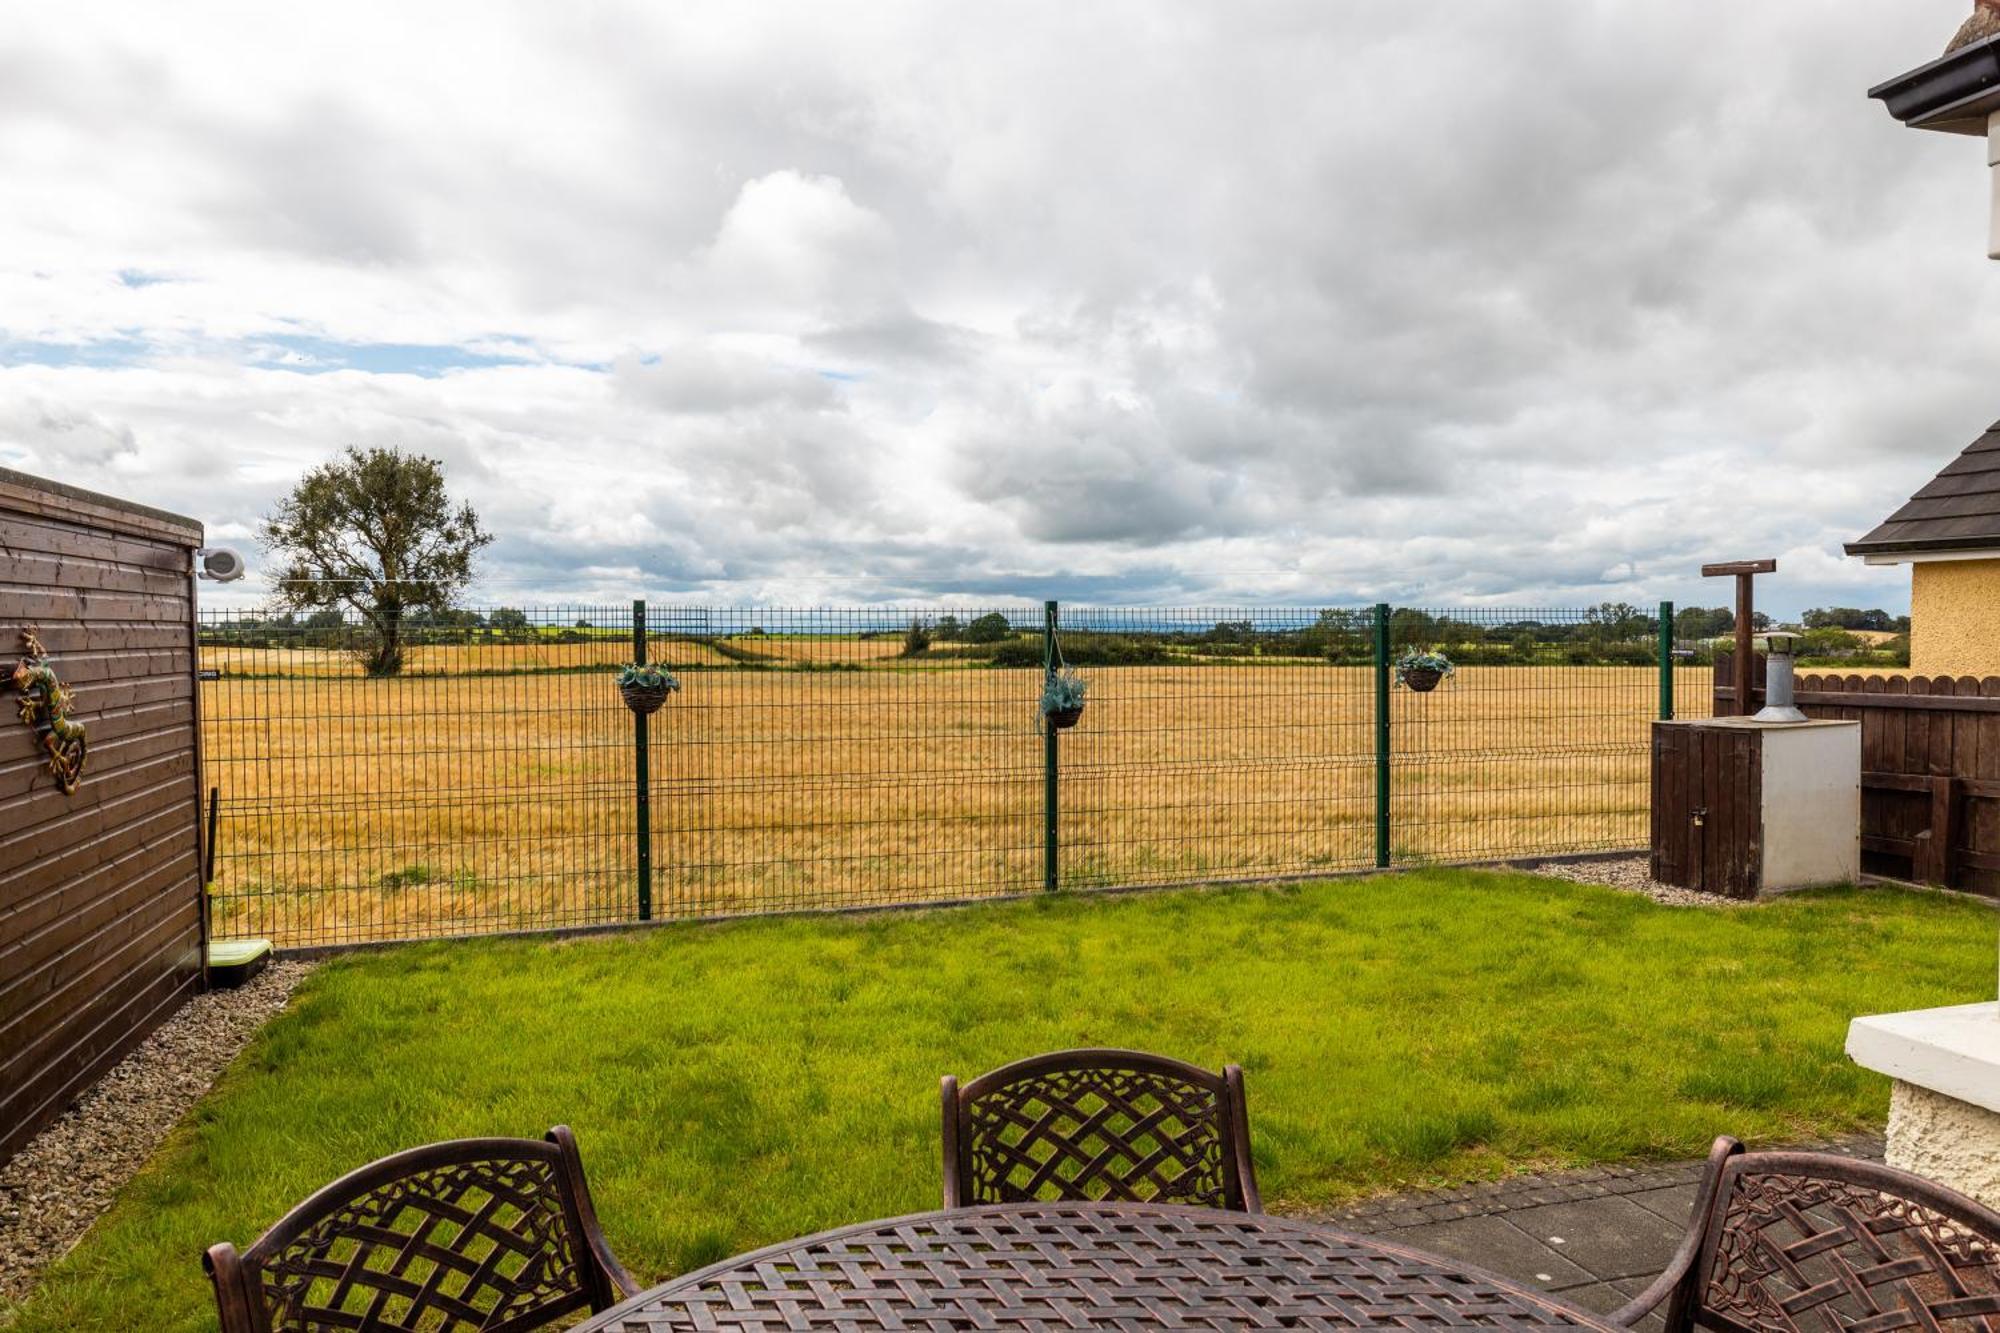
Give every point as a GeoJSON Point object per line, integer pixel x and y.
{"type": "Point", "coordinates": [1608, 634]}
{"type": "Point", "coordinates": [333, 630]}
{"type": "Point", "coordinates": [1611, 633]}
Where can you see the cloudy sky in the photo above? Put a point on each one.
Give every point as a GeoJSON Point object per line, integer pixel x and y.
{"type": "Point", "coordinates": [1536, 303]}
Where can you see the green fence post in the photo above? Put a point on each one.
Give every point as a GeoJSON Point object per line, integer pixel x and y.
{"type": "Point", "coordinates": [1666, 661]}
{"type": "Point", "coordinates": [642, 775]}
{"type": "Point", "coordinates": [1382, 733]}
{"type": "Point", "coordinates": [1051, 845]}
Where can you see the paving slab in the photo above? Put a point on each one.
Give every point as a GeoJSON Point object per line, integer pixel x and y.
{"type": "Point", "coordinates": [1597, 1297]}
{"type": "Point", "coordinates": [1608, 1238]}
{"type": "Point", "coordinates": [1597, 1236]}
{"type": "Point", "coordinates": [1672, 1204]}
{"type": "Point", "coordinates": [1496, 1244]}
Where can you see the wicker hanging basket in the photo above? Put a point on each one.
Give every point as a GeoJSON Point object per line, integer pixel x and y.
{"type": "Point", "coordinates": [1062, 719]}
{"type": "Point", "coordinates": [1422, 679]}
{"type": "Point", "coordinates": [644, 699]}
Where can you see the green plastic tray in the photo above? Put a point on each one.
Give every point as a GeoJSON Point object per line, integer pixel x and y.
{"type": "Point", "coordinates": [233, 962]}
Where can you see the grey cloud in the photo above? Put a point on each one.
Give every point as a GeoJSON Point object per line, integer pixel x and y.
{"type": "Point", "coordinates": [1462, 301]}
{"type": "Point", "coordinates": [699, 380]}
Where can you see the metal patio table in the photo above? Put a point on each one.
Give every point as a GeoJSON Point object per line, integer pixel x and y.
{"type": "Point", "coordinates": [1054, 1267]}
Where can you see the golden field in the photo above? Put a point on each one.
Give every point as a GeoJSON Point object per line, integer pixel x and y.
{"type": "Point", "coordinates": [444, 803]}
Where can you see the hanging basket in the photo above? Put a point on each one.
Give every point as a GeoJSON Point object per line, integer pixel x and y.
{"type": "Point", "coordinates": [1422, 679]}
{"type": "Point", "coordinates": [1062, 719]}
{"type": "Point", "coordinates": [644, 699]}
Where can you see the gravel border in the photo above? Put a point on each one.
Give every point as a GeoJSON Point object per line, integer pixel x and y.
{"type": "Point", "coordinates": [1634, 875]}
{"type": "Point", "coordinates": [67, 1175]}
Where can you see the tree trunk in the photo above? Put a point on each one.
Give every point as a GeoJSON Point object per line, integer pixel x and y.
{"type": "Point", "coordinates": [385, 657]}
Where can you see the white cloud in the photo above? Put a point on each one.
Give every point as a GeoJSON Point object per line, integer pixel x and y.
{"type": "Point", "coordinates": [1294, 301]}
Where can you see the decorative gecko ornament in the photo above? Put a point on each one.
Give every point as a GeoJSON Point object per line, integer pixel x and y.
{"type": "Point", "coordinates": [45, 703]}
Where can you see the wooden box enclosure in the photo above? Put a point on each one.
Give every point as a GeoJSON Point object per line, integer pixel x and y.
{"type": "Point", "coordinates": [100, 909]}
{"type": "Point", "coordinates": [1742, 808]}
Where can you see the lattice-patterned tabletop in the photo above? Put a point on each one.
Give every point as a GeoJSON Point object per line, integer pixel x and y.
{"type": "Point", "coordinates": [1086, 1266]}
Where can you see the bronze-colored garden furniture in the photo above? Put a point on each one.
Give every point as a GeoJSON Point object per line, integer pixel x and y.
{"type": "Point", "coordinates": [1791, 1241]}
{"type": "Point", "coordinates": [1087, 1126]}
{"type": "Point", "coordinates": [496, 1235]}
{"type": "Point", "coordinates": [1085, 1267]}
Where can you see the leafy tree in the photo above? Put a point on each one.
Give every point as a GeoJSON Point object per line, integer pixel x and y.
{"type": "Point", "coordinates": [1340, 634]}
{"type": "Point", "coordinates": [1411, 627]}
{"type": "Point", "coordinates": [427, 618]}
{"type": "Point", "coordinates": [1703, 622]}
{"type": "Point", "coordinates": [947, 629]}
{"type": "Point", "coordinates": [989, 628]}
{"type": "Point", "coordinates": [1830, 641]}
{"type": "Point", "coordinates": [1616, 620]}
{"type": "Point", "coordinates": [374, 532]}
{"type": "Point", "coordinates": [1852, 617]}
{"type": "Point", "coordinates": [509, 620]}
{"type": "Point", "coordinates": [917, 639]}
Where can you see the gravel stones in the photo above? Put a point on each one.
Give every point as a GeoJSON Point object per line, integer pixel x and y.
{"type": "Point", "coordinates": [65, 1177]}
{"type": "Point", "coordinates": [1633, 875]}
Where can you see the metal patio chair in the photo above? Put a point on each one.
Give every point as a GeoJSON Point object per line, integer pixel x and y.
{"type": "Point", "coordinates": [1094, 1125]}
{"type": "Point", "coordinates": [1784, 1242]}
{"type": "Point", "coordinates": [496, 1235]}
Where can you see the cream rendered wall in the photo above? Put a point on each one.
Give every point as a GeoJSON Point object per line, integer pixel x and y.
{"type": "Point", "coordinates": [1955, 617]}
{"type": "Point", "coordinates": [1944, 1139]}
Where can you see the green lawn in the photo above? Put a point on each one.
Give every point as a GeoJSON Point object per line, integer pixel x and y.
{"type": "Point", "coordinates": [736, 1085]}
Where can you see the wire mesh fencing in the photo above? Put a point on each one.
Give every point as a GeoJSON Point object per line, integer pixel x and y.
{"type": "Point", "coordinates": [1539, 742]}
{"type": "Point", "coordinates": [1216, 744]}
{"type": "Point", "coordinates": [825, 758]}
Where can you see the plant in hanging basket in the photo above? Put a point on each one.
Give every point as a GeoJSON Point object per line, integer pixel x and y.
{"type": "Point", "coordinates": [1062, 698]}
{"type": "Point", "coordinates": [646, 687]}
{"type": "Point", "coordinates": [1422, 671]}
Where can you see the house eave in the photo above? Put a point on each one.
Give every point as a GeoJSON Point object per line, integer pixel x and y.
{"type": "Point", "coordinates": [1912, 553]}
{"type": "Point", "coordinates": [1953, 94]}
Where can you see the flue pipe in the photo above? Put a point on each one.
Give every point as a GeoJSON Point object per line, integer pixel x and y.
{"type": "Point", "coordinates": [1780, 650]}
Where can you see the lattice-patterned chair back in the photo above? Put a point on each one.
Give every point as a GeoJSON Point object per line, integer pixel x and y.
{"type": "Point", "coordinates": [494, 1235]}
{"type": "Point", "coordinates": [1787, 1242]}
{"type": "Point", "coordinates": [1095, 1125]}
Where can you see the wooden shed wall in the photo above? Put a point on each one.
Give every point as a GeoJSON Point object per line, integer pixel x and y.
{"type": "Point", "coordinates": [100, 918]}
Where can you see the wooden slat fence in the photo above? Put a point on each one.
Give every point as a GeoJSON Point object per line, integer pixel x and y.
{"type": "Point", "coordinates": [1930, 767]}
{"type": "Point", "coordinates": [100, 889]}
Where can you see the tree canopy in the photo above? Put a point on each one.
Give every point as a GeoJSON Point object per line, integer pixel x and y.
{"type": "Point", "coordinates": [1853, 617]}
{"type": "Point", "coordinates": [376, 533]}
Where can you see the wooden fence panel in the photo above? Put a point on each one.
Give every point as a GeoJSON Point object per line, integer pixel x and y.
{"type": "Point", "coordinates": [1930, 767]}
{"type": "Point", "coordinates": [100, 889]}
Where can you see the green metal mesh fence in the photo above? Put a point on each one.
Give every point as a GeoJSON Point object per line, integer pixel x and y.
{"type": "Point", "coordinates": [821, 758]}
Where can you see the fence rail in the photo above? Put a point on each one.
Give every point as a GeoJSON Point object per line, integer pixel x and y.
{"type": "Point", "coordinates": [1930, 761]}
{"type": "Point", "coordinates": [832, 758]}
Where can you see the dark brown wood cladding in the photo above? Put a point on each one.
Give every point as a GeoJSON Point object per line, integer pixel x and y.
{"type": "Point", "coordinates": [1930, 768]}
{"type": "Point", "coordinates": [1707, 832]}
{"type": "Point", "coordinates": [100, 891]}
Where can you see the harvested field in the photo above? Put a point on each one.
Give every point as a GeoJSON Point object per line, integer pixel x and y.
{"type": "Point", "coordinates": [437, 803]}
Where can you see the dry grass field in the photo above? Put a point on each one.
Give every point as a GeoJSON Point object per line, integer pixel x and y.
{"type": "Point", "coordinates": [456, 803]}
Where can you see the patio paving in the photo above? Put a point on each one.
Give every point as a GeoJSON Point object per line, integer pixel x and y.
{"type": "Point", "coordinates": [1597, 1236]}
